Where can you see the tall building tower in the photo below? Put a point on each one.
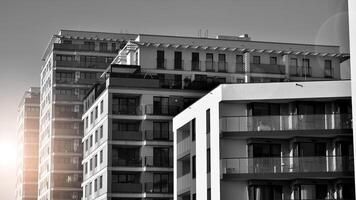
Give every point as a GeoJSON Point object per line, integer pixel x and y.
{"type": "Point", "coordinates": [27, 143]}
{"type": "Point", "coordinates": [72, 62]}
{"type": "Point", "coordinates": [128, 118]}
{"type": "Point", "coordinates": [267, 141]}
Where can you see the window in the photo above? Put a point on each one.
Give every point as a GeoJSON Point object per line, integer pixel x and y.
{"type": "Point", "coordinates": [101, 156]}
{"type": "Point", "coordinates": [101, 182]}
{"type": "Point", "coordinates": [194, 196]}
{"type": "Point", "coordinates": [193, 167]}
{"type": "Point", "coordinates": [90, 45]}
{"type": "Point", "coordinates": [222, 62]}
{"type": "Point", "coordinates": [96, 136]}
{"type": "Point", "coordinates": [91, 117]}
{"type": "Point", "coordinates": [161, 105]}
{"type": "Point", "coordinates": [328, 71]}
{"type": "Point", "coordinates": [160, 60]}
{"type": "Point", "coordinates": [160, 131]}
{"type": "Point", "coordinates": [86, 145]}
{"type": "Point", "coordinates": [256, 60]}
{"type": "Point", "coordinates": [69, 58]}
{"type": "Point", "coordinates": [101, 131]}
{"type": "Point", "coordinates": [195, 61]}
{"type": "Point", "coordinates": [208, 160]}
{"type": "Point", "coordinates": [178, 63]}
{"type": "Point", "coordinates": [239, 59]}
{"type": "Point", "coordinates": [96, 112]}
{"type": "Point", "coordinates": [306, 67]}
{"type": "Point", "coordinates": [91, 140]}
{"type": "Point", "coordinates": [91, 164]}
{"type": "Point", "coordinates": [90, 186]}
{"type": "Point", "coordinates": [86, 168]}
{"type": "Point", "coordinates": [124, 106]}
{"type": "Point", "coordinates": [113, 46]}
{"type": "Point", "coordinates": [162, 183]}
{"type": "Point", "coordinates": [209, 63]}
{"type": "Point", "coordinates": [103, 46]}
{"type": "Point", "coordinates": [207, 121]}
{"type": "Point", "coordinates": [101, 106]}
{"type": "Point", "coordinates": [96, 160]}
{"type": "Point", "coordinates": [95, 185]}
{"type": "Point", "coordinates": [86, 122]}
{"type": "Point", "coordinates": [86, 190]}
{"type": "Point", "coordinates": [67, 41]}
{"type": "Point", "coordinates": [193, 130]}
{"type": "Point", "coordinates": [273, 60]}
{"type": "Point", "coordinates": [294, 66]}
{"type": "Point", "coordinates": [209, 193]}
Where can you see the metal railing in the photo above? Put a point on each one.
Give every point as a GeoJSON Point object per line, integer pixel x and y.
{"type": "Point", "coordinates": [128, 162]}
{"type": "Point", "coordinates": [286, 122]}
{"type": "Point", "coordinates": [129, 110]}
{"type": "Point", "coordinates": [209, 66]}
{"type": "Point", "coordinates": [159, 187]}
{"type": "Point", "coordinates": [169, 110]}
{"type": "Point", "coordinates": [277, 165]}
{"type": "Point", "coordinates": [127, 187]}
{"type": "Point", "coordinates": [222, 66]}
{"type": "Point", "coordinates": [178, 64]}
{"type": "Point", "coordinates": [81, 64]}
{"type": "Point", "coordinates": [164, 135]}
{"type": "Point", "coordinates": [161, 63]}
{"type": "Point", "coordinates": [81, 47]}
{"type": "Point", "coordinates": [195, 65]}
{"type": "Point", "coordinates": [240, 68]}
{"type": "Point", "coordinates": [127, 135]}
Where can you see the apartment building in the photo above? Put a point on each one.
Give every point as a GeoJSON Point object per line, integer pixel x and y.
{"type": "Point", "coordinates": [128, 117]}
{"type": "Point", "coordinates": [27, 144]}
{"type": "Point", "coordinates": [72, 62]}
{"type": "Point", "coordinates": [266, 141]}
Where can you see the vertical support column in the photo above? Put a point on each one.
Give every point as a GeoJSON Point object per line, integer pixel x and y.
{"type": "Point", "coordinates": [286, 65]}
{"type": "Point", "coordinates": [247, 66]}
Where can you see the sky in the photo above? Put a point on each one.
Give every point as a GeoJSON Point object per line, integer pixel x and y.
{"type": "Point", "coordinates": [26, 27]}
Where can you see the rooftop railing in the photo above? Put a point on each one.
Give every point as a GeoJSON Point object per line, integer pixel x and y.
{"type": "Point", "coordinates": [81, 47]}
{"type": "Point", "coordinates": [286, 122]}
{"type": "Point", "coordinates": [280, 165]}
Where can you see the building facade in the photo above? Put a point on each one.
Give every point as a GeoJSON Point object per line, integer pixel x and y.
{"type": "Point", "coordinates": [27, 144]}
{"type": "Point", "coordinates": [72, 62]}
{"type": "Point", "coordinates": [266, 141]}
{"type": "Point", "coordinates": [127, 119]}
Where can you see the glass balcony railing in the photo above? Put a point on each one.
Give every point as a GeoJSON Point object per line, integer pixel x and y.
{"type": "Point", "coordinates": [286, 122]}
{"type": "Point", "coordinates": [81, 47]}
{"type": "Point", "coordinates": [126, 187]}
{"type": "Point", "coordinates": [164, 135]}
{"type": "Point", "coordinates": [158, 161]}
{"type": "Point", "coordinates": [127, 110]}
{"type": "Point", "coordinates": [169, 110]}
{"type": "Point", "coordinates": [126, 162]}
{"type": "Point", "coordinates": [127, 135]}
{"type": "Point", "coordinates": [281, 165]}
{"type": "Point", "coordinates": [159, 187]}
{"type": "Point", "coordinates": [267, 68]}
{"type": "Point", "coordinates": [79, 64]}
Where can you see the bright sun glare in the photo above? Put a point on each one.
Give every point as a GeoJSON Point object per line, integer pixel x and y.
{"type": "Point", "coordinates": [7, 154]}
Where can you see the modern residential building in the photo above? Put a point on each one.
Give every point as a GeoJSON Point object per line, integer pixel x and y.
{"type": "Point", "coordinates": [266, 141]}
{"type": "Point", "coordinates": [72, 62]}
{"type": "Point", "coordinates": [27, 144]}
{"type": "Point", "coordinates": [128, 117]}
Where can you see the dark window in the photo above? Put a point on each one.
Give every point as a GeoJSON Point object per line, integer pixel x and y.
{"type": "Point", "coordinates": [101, 156]}
{"type": "Point", "coordinates": [101, 106]}
{"type": "Point", "coordinates": [258, 150]}
{"type": "Point", "coordinates": [193, 167]}
{"type": "Point", "coordinates": [67, 41]}
{"type": "Point", "coordinates": [126, 106]}
{"type": "Point", "coordinates": [160, 60]}
{"type": "Point", "coordinates": [194, 196]}
{"type": "Point", "coordinates": [294, 70]}
{"type": "Point", "coordinates": [160, 130]}
{"type": "Point", "coordinates": [193, 130]}
{"type": "Point", "coordinates": [162, 157]}
{"type": "Point", "coordinates": [273, 60]}
{"type": "Point", "coordinates": [178, 62]}
{"type": "Point", "coordinates": [209, 62]}
{"type": "Point", "coordinates": [328, 70]}
{"type": "Point", "coordinates": [256, 60]}
{"type": "Point", "coordinates": [103, 46]}
{"type": "Point", "coordinates": [90, 45]}
{"type": "Point", "coordinates": [239, 59]}
{"type": "Point", "coordinates": [161, 105]}
{"type": "Point", "coordinates": [209, 194]}
{"type": "Point", "coordinates": [208, 121]}
{"type": "Point", "coordinates": [101, 182]}
{"type": "Point", "coordinates": [162, 183]}
{"type": "Point", "coordinates": [195, 61]}
{"type": "Point", "coordinates": [306, 67]}
{"type": "Point", "coordinates": [113, 46]}
{"type": "Point", "coordinates": [222, 62]}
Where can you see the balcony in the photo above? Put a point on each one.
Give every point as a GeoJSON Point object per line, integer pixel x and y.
{"type": "Point", "coordinates": [159, 187]}
{"type": "Point", "coordinates": [260, 167]}
{"type": "Point", "coordinates": [183, 183]}
{"type": "Point", "coordinates": [78, 64]}
{"type": "Point", "coordinates": [196, 65]}
{"type": "Point", "coordinates": [127, 135]}
{"type": "Point", "coordinates": [166, 110]}
{"type": "Point", "coordinates": [157, 161]}
{"type": "Point", "coordinates": [286, 123]}
{"type": "Point", "coordinates": [128, 162]}
{"type": "Point", "coordinates": [80, 47]}
{"type": "Point", "coordinates": [178, 64]}
{"type": "Point", "coordinates": [267, 68]}
{"type": "Point", "coordinates": [128, 110]}
{"type": "Point", "coordinates": [183, 146]}
{"type": "Point", "coordinates": [126, 188]}
{"type": "Point", "coordinates": [158, 135]}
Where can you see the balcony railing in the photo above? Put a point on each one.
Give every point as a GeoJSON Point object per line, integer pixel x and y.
{"type": "Point", "coordinates": [196, 65]}
{"type": "Point", "coordinates": [164, 135]}
{"type": "Point", "coordinates": [161, 63]}
{"type": "Point", "coordinates": [169, 110]}
{"type": "Point", "coordinates": [178, 64]}
{"type": "Point", "coordinates": [300, 71]}
{"type": "Point", "coordinates": [153, 161]}
{"type": "Point", "coordinates": [80, 47]}
{"type": "Point", "coordinates": [209, 66]}
{"type": "Point", "coordinates": [127, 187]}
{"type": "Point", "coordinates": [240, 68]}
{"type": "Point", "coordinates": [78, 64]}
{"type": "Point", "coordinates": [127, 162]}
{"type": "Point", "coordinates": [286, 122]}
{"type": "Point", "coordinates": [280, 165]}
{"type": "Point", "coordinates": [267, 68]}
{"type": "Point", "coordinates": [68, 115]}
{"type": "Point", "coordinates": [129, 110]}
{"type": "Point", "coordinates": [159, 187]}
{"type": "Point", "coordinates": [171, 84]}
{"type": "Point", "coordinates": [127, 135]}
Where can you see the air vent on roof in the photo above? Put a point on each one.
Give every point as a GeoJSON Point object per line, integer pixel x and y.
{"type": "Point", "coordinates": [244, 37]}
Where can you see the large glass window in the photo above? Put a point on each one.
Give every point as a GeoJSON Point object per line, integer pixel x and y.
{"type": "Point", "coordinates": [160, 59]}
{"type": "Point", "coordinates": [328, 70]}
